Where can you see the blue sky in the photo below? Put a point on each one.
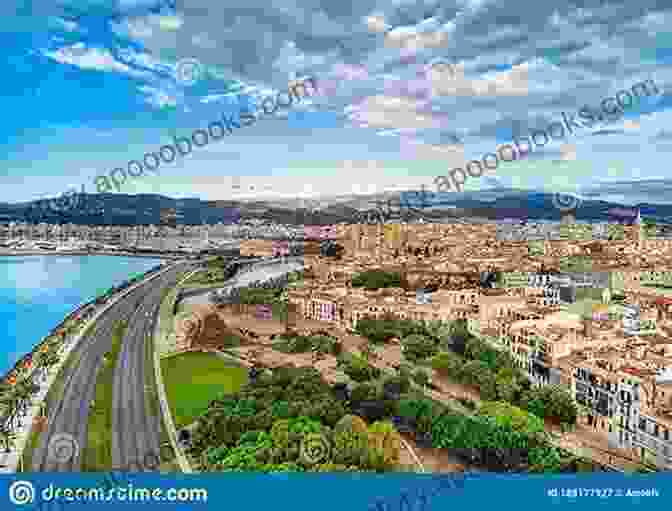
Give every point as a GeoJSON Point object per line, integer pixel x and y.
{"type": "Point", "coordinates": [91, 84]}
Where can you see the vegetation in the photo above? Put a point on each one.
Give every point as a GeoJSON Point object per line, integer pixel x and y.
{"type": "Point", "coordinates": [376, 279]}
{"type": "Point", "coordinates": [497, 378]}
{"type": "Point", "coordinates": [422, 337]}
{"type": "Point", "coordinates": [193, 379]}
{"type": "Point", "coordinates": [98, 453]}
{"type": "Point", "coordinates": [511, 416]}
{"type": "Point", "coordinates": [550, 401]}
{"type": "Point", "coordinates": [357, 368]}
{"type": "Point", "coordinates": [290, 420]}
{"type": "Point", "coordinates": [418, 347]}
{"type": "Point", "coordinates": [305, 343]}
{"type": "Point", "coordinates": [276, 297]}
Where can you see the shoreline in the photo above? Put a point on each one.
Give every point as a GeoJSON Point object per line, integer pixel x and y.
{"type": "Point", "coordinates": [71, 343]}
{"type": "Point", "coordinates": [58, 329]}
{"type": "Point", "coordinates": [7, 253]}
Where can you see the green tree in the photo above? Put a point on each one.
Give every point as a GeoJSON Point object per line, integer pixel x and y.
{"type": "Point", "coordinates": [474, 372]}
{"type": "Point", "coordinates": [418, 347]}
{"type": "Point", "coordinates": [508, 388]}
{"type": "Point", "coordinates": [512, 417]}
{"type": "Point", "coordinates": [447, 363]}
{"type": "Point", "coordinates": [351, 447]}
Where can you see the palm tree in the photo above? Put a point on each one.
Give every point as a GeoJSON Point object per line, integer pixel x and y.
{"type": "Point", "coordinates": [10, 402]}
{"type": "Point", "coordinates": [47, 360]}
{"type": "Point", "coordinates": [25, 389]}
{"type": "Point", "coordinates": [6, 437]}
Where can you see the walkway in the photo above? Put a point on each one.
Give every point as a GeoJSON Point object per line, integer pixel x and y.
{"type": "Point", "coordinates": [159, 342]}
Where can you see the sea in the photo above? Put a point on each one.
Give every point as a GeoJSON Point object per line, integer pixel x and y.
{"type": "Point", "coordinates": [38, 292]}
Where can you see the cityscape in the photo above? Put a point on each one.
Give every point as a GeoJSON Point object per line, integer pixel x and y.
{"type": "Point", "coordinates": [432, 270]}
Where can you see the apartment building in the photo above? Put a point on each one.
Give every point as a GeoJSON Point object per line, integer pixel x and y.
{"type": "Point", "coordinates": [625, 388]}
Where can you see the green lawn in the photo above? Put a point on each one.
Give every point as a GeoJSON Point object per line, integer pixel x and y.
{"type": "Point", "coordinates": [193, 379]}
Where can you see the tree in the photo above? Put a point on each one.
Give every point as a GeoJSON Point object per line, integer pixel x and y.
{"type": "Point", "coordinates": [421, 377]}
{"type": "Point", "coordinates": [384, 445]}
{"type": "Point", "coordinates": [447, 363]}
{"type": "Point", "coordinates": [459, 335]}
{"type": "Point", "coordinates": [364, 392]}
{"type": "Point", "coordinates": [418, 347]}
{"type": "Point", "coordinates": [351, 447]}
{"type": "Point", "coordinates": [550, 401]}
{"type": "Point", "coordinates": [512, 417]}
{"type": "Point", "coordinates": [508, 388]}
{"type": "Point", "coordinates": [474, 372]}
{"type": "Point", "coordinates": [350, 423]}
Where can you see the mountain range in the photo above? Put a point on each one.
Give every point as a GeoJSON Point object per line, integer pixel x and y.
{"type": "Point", "coordinates": [488, 205]}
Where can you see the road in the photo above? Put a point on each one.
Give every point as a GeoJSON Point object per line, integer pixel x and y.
{"type": "Point", "coordinates": [261, 273]}
{"type": "Point", "coordinates": [70, 415]}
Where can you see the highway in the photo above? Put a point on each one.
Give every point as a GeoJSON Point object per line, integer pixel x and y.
{"type": "Point", "coordinates": [135, 434]}
{"type": "Point", "coordinates": [70, 414]}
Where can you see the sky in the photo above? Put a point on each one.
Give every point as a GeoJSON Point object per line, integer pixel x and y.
{"type": "Point", "coordinates": [408, 90]}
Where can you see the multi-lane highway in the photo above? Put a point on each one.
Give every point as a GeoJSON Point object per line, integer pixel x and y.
{"type": "Point", "coordinates": [133, 431]}
{"type": "Point", "coordinates": [135, 434]}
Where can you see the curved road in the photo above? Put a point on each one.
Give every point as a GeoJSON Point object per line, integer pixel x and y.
{"type": "Point", "coordinates": [261, 273]}
{"type": "Point", "coordinates": [70, 415]}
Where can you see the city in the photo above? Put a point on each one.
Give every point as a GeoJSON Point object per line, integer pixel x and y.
{"type": "Point", "coordinates": [437, 273]}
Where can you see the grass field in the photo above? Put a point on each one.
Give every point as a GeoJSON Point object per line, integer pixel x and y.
{"type": "Point", "coordinates": [193, 379]}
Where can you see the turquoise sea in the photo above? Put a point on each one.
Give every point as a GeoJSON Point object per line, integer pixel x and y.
{"type": "Point", "coordinates": [37, 292]}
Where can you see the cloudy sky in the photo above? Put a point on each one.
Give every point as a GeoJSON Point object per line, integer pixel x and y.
{"type": "Point", "coordinates": [408, 91]}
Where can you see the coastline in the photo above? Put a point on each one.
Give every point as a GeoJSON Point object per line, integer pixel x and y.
{"type": "Point", "coordinates": [9, 252]}
{"type": "Point", "coordinates": [58, 329]}
{"type": "Point", "coordinates": [95, 310]}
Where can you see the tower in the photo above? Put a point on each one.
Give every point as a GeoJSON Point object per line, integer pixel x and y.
{"type": "Point", "coordinates": [637, 228]}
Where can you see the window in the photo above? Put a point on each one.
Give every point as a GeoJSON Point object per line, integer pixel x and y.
{"type": "Point", "coordinates": [655, 430]}
{"type": "Point", "coordinates": [642, 424]}
{"type": "Point", "coordinates": [666, 434]}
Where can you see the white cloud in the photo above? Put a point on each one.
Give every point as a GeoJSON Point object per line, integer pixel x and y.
{"type": "Point", "coordinates": [92, 58]}
{"type": "Point", "coordinates": [452, 82]}
{"type": "Point", "coordinates": [376, 23]}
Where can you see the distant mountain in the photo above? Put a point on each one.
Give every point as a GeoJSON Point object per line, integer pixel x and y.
{"type": "Point", "coordinates": [499, 204]}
